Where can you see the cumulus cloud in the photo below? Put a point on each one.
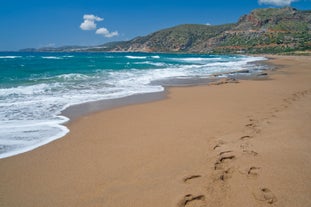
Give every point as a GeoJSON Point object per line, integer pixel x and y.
{"type": "Point", "coordinates": [92, 17]}
{"type": "Point", "coordinates": [105, 32]}
{"type": "Point", "coordinates": [276, 2]}
{"type": "Point", "coordinates": [89, 22]}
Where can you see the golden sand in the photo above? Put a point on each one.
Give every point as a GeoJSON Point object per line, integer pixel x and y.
{"type": "Point", "coordinates": [238, 144]}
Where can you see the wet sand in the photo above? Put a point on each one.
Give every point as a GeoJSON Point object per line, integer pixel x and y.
{"type": "Point", "coordinates": [236, 144]}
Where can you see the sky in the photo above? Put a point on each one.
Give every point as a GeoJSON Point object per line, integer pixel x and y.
{"type": "Point", "coordinates": [55, 23]}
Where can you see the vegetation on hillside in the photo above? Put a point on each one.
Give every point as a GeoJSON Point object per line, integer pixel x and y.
{"type": "Point", "coordinates": [272, 30]}
{"type": "Point", "coordinates": [261, 31]}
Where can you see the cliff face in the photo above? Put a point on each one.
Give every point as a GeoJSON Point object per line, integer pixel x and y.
{"type": "Point", "coordinates": [268, 30]}
{"type": "Point", "coordinates": [263, 30]}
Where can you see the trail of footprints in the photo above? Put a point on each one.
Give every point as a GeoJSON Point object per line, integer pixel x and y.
{"type": "Point", "coordinates": [287, 102]}
{"type": "Point", "coordinates": [262, 194]}
{"type": "Point", "coordinates": [191, 200]}
{"type": "Point", "coordinates": [224, 163]}
{"type": "Point", "coordinates": [224, 168]}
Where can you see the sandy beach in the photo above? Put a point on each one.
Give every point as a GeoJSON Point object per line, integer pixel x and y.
{"type": "Point", "coordinates": [235, 145]}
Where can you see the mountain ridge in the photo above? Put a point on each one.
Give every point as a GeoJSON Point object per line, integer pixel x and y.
{"type": "Point", "coordinates": [270, 30]}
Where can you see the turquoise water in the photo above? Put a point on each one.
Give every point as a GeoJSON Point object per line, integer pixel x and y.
{"type": "Point", "coordinates": [36, 87]}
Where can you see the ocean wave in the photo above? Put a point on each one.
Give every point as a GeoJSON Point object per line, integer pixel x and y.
{"type": "Point", "coordinates": [135, 57]}
{"type": "Point", "coordinates": [196, 59]}
{"type": "Point", "coordinates": [52, 57]}
{"type": "Point", "coordinates": [9, 57]}
{"type": "Point", "coordinates": [22, 137]}
{"type": "Point", "coordinates": [109, 56]}
{"type": "Point", "coordinates": [25, 90]}
{"type": "Point", "coordinates": [72, 76]}
{"type": "Point", "coordinates": [223, 66]}
{"type": "Point", "coordinates": [158, 64]}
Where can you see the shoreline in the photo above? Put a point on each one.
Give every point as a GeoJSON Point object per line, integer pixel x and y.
{"type": "Point", "coordinates": [70, 113]}
{"type": "Point", "coordinates": [77, 111]}
{"type": "Point", "coordinates": [227, 145]}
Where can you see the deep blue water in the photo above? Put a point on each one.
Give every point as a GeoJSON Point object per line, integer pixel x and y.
{"type": "Point", "coordinates": [36, 87]}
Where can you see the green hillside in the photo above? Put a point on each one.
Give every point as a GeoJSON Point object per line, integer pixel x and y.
{"type": "Point", "coordinates": [273, 30]}
{"type": "Point", "coordinates": [261, 31]}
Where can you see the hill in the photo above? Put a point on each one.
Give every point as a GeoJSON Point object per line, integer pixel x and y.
{"type": "Point", "coordinates": [272, 30]}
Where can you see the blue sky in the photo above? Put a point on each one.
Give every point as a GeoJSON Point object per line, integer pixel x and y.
{"type": "Point", "coordinates": [40, 23]}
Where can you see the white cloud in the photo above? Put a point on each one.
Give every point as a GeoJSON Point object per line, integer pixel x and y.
{"type": "Point", "coordinates": [277, 2]}
{"type": "Point", "coordinates": [92, 17]}
{"type": "Point", "coordinates": [208, 24]}
{"type": "Point", "coordinates": [89, 22]}
{"type": "Point", "coordinates": [88, 25]}
{"type": "Point", "coordinates": [105, 32]}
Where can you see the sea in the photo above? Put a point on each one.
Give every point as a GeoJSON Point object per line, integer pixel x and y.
{"type": "Point", "coordinates": [36, 87]}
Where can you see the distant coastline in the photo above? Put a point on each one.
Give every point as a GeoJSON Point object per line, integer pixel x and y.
{"type": "Point", "coordinates": [270, 31]}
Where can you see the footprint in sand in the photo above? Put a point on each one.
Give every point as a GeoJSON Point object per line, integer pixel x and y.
{"type": "Point", "coordinates": [253, 171]}
{"type": "Point", "coordinates": [226, 157]}
{"type": "Point", "coordinates": [253, 125]}
{"type": "Point", "coordinates": [190, 178]}
{"type": "Point", "coordinates": [245, 145]}
{"type": "Point", "coordinates": [226, 174]}
{"type": "Point", "coordinates": [223, 157]}
{"type": "Point", "coordinates": [216, 146]}
{"type": "Point", "coordinates": [190, 200]}
{"type": "Point", "coordinates": [219, 144]}
{"type": "Point", "coordinates": [245, 137]}
{"type": "Point", "coordinates": [250, 152]}
{"type": "Point", "coordinates": [265, 195]}
{"type": "Point", "coordinates": [250, 171]}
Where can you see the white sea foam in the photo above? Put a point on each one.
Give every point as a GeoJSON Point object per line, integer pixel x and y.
{"type": "Point", "coordinates": [135, 57]}
{"type": "Point", "coordinates": [196, 59]}
{"type": "Point", "coordinates": [52, 57]}
{"type": "Point", "coordinates": [9, 57]}
{"type": "Point", "coordinates": [24, 90]}
{"type": "Point", "coordinates": [159, 64]}
{"type": "Point", "coordinates": [73, 76]}
{"type": "Point", "coordinates": [23, 137]}
{"type": "Point", "coordinates": [199, 59]}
